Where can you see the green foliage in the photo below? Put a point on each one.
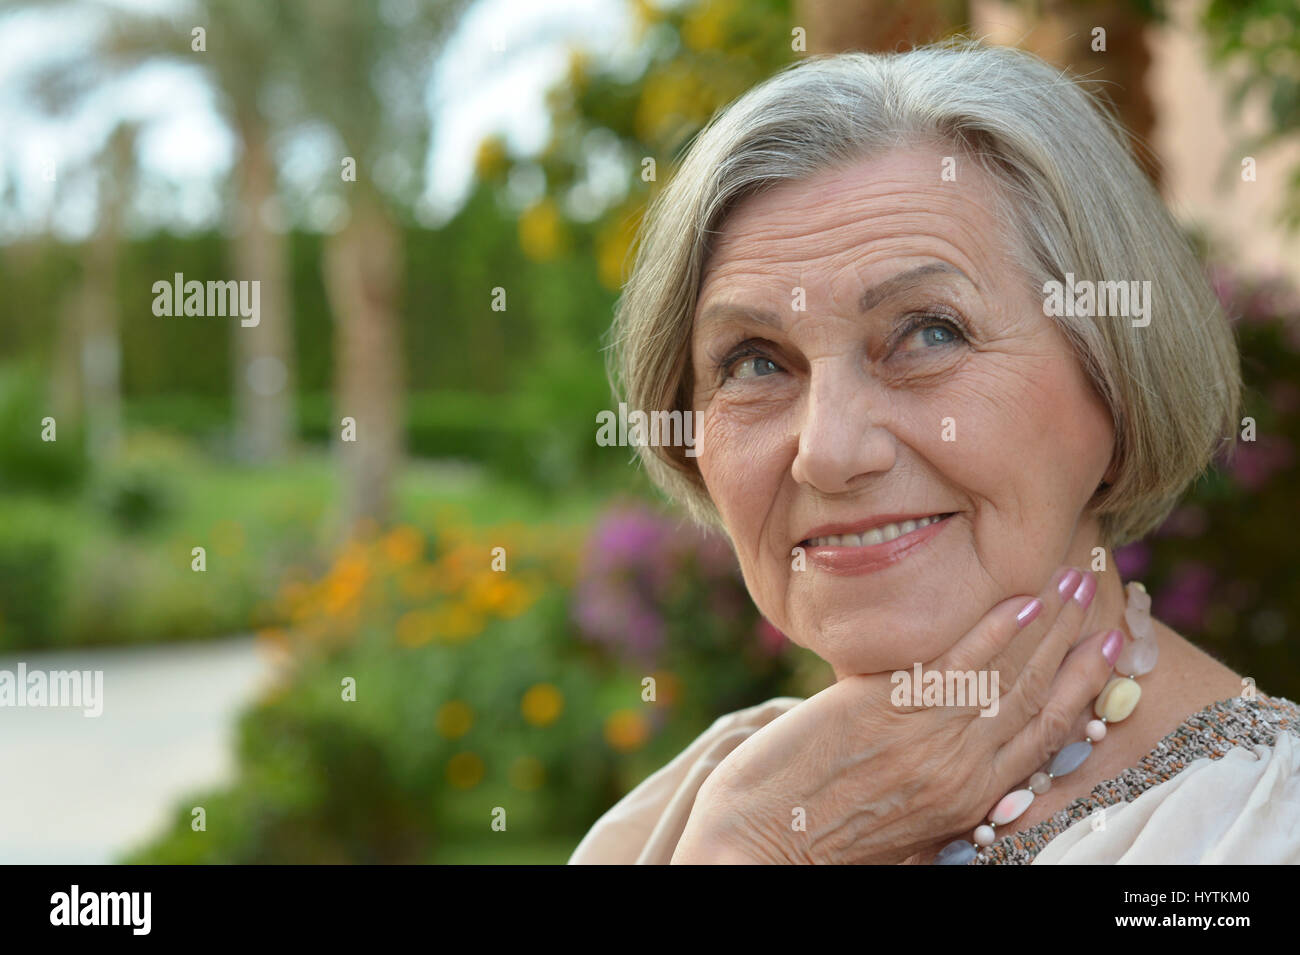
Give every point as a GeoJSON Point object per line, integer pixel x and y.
{"type": "Point", "coordinates": [26, 460]}
{"type": "Point", "coordinates": [1259, 42]}
{"type": "Point", "coordinates": [1220, 570]}
{"type": "Point", "coordinates": [135, 500]}
{"type": "Point", "coordinates": [472, 693]}
{"type": "Point", "coordinates": [29, 592]}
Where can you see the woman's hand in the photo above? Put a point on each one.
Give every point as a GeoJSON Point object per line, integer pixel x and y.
{"type": "Point", "coordinates": [877, 782]}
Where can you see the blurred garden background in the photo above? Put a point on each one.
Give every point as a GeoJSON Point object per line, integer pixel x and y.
{"type": "Point", "coordinates": [438, 198]}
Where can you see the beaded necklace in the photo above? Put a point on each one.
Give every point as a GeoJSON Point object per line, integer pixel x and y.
{"type": "Point", "coordinates": [1116, 702]}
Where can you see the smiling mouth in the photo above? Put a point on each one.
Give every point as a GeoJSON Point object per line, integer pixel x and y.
{"type": "Point", "coordinates": [877, 535]}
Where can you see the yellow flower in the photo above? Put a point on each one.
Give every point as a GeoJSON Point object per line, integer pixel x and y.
{"type": "Point", "coordinates": [542, 704]}
{"type": "Point", "coordinates": [465, 770]}
{"type": "Point", "coordinates": [541, 233]}
{"type": "Point", "coordinates": [703, 28]}
{"type": "Point", "coordinates": [527, 773]}
{"type": "Point", "coordinates": [626, 730]}
{"type": "Point", "coordinates": [491, 160]}
{"type": "Point", "coordinates": [454, 719]}
{"type": "Point", "coordinates": [612, 246]}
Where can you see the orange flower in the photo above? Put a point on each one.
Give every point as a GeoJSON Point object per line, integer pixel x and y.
{"type": "Point", "coordinates": [344, 584]}
{"type": "Point", "coordinates": [626, 730]}
{"type": "Point", "coordinates": [668, 688]}
{"type": "Point", "coordinates": [403, 546]}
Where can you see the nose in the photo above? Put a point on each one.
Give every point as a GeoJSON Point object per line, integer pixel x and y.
{"type": "Point", "coordinates": [840, 437]}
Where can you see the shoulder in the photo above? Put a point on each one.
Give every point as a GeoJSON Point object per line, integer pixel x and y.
{"type": "Point", "coordinates": [645, 825]}
{"type": "Point", "coordinates": [1239, 805]}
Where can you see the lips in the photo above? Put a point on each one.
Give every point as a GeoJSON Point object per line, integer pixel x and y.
{"type": "Point", "coordinates": [873, 544]}
{"type": "Point", "coordinates": [868, 533]}
{"type": "Point", "coordinates": [877, 535]}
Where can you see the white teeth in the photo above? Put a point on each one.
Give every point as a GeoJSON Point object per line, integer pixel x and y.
{"type": "Point", "coordinates": [877, 535]}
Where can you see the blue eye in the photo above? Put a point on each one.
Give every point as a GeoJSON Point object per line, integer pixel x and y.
{"type": "Point", "coordinates": [931, 332]}
{"type": "Point", "coordinates": [755, 367]}
{"type": "Point", "coordinates": [937, 335]}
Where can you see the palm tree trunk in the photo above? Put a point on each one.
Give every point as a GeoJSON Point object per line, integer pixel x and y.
{"type": "Point", "coordinates": [884, 26]}
{"type": "Point", "coordinates": [101, 351]}
{"type": "Point", "coordinates": [362, 270]}
{"type": "Point", "coordinates": [262, 354]}
{"type": "Point", "coordinates": [1064, 37]}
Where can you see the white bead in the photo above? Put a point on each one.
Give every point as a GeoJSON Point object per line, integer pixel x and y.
{"type": "Point", "coordinates": [1096, 730]}
{"type": "Point", "coordinates": [984, 836]}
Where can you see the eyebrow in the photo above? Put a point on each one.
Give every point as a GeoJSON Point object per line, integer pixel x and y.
{"type": "Point", "coordinates": [872, 297]}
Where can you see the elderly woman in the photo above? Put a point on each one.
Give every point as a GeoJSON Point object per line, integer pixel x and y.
{"type": "Point", "coordinates": [945, 349]}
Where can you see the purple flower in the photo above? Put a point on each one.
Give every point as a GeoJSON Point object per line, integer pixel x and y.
{"type": "Point", "coordinates": [1255, 462]}
{"type": "Point", "coordinates": [1187, 521]}
{"type": "Point", "coordinates": [1132, 560]}
{"type": "Point", "coordinates": [1182, 602]}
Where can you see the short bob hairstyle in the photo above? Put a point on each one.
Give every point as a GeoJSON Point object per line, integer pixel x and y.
{"type": "Point", "coordinates": [1072, 197]}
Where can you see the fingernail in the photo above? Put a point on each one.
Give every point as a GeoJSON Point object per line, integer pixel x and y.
{"type": "Point", "coordinates": [1086, 590]}
{"type": "Point", "coordinates": [1070, 582]}
{"type": "Point", "coordinates": [1030, 611]}
{"type": "Point", "coordinates": [1113, 645]}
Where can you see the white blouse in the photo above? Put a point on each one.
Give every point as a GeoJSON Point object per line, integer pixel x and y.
{"type": "Point", "coordinates": [1241, 805]}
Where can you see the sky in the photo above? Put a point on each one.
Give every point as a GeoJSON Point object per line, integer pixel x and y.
{"type": "Point", "coordinates": [492, 76]}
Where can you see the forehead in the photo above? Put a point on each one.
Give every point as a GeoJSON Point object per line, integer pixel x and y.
{"type": "Point", "coordinates": [871, 212]}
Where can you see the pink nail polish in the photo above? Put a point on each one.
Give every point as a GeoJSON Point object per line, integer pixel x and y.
{"type": "Point", "coordinates": [1086, 590]}
{"type": "Point", "coordinates": [1113, 645]}
{"type": "Point", "coordinates": [1030, 611]}
{"type": "Point", "coordinates": [1070, 582]}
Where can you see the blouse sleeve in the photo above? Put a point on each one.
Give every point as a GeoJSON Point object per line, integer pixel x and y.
{"type": "Point", "coordinates": [644, 826]}
{"type": "Point", "coordinates": [1241, 808]}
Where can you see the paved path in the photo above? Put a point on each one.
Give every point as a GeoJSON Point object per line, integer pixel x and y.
{"type": "Point", "coordinates": [77, 789]}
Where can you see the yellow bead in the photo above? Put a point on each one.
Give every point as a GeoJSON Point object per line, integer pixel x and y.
{"type": "Point", "coordinates": [1117, 699]}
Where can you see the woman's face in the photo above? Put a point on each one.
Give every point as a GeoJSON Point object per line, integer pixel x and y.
{"type": "Point", "coordinates": [914, 376]}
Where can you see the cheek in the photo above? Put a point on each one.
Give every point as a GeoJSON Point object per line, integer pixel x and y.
{"type": "Point", "coordinates": [1031, 438]}
{"type": "Point", "coordinates": [744, 458]}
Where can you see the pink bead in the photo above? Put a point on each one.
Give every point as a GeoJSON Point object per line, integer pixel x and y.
{"type": "Point", "coordinates": [1011, 807]}
{"type": "Point", "coordinates": [1137, 596]}
{"type": "Point", "coordinates": [1095, 730]}
{"type": "Point", "coordinates": [984, 836]}
{"type": "Point", "coordinates": [1139, 624]}
{"type": "Point", "coordinates": [1138, 657]}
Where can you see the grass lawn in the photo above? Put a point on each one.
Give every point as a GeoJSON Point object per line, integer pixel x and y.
{"type": "Point", "coordinates": [124, 543]}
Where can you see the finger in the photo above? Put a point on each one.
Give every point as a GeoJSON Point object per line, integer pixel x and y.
{"type": "Point", "coordinates": [1020, 621]}
{"type": "Point", "coordinates": [1026, 688]}
{"type": "Point", "coordinates": [1078, 682]}
{"type": "Point", "coordinates": [1036, 623]}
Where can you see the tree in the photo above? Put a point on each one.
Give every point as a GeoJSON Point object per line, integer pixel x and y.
{"type": "Point", "coordinates": [361, 70]}
{"type": "Point", "coordinates": [239, 53]}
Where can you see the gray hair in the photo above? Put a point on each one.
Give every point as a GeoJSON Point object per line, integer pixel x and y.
{"type": "Point", "coordinates": [1072, 196]}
